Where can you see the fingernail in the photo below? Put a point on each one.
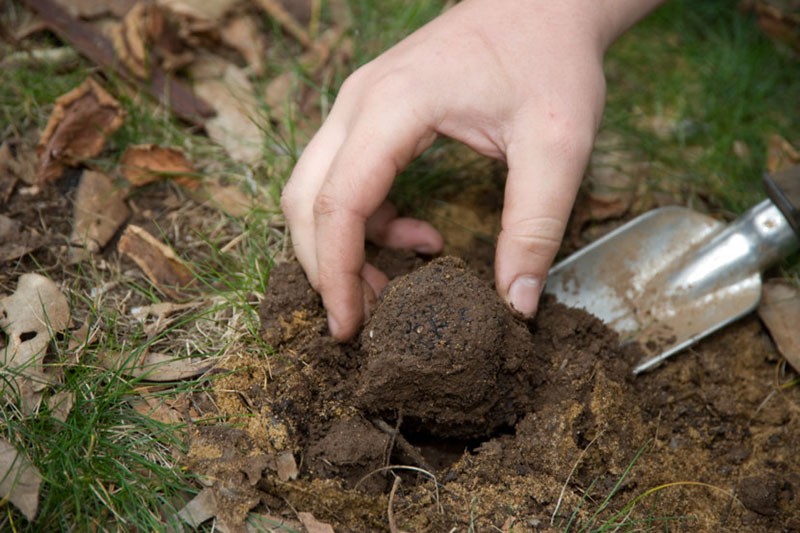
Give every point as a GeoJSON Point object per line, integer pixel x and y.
{"type": "Point", "coordinates": [425, 249]}
{"type": "Point", "coordinates": [523, 295]}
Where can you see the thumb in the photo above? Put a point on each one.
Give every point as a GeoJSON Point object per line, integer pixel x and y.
{"type": "Point", "coordinates": [543, 180]}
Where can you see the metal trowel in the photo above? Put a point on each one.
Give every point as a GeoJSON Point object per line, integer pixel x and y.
{"type": "Point", "coordinates": [672, 276]}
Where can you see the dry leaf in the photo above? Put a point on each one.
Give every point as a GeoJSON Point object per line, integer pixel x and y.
{"type": "Point", "coordinates": [17, 163]}
{"type": "Point", "coordinates": [227, 198]}
{"type": "Point", "coordinates": [157, 366]}
{"type": "Point", "coordinates": [157, 260]}
{"type": "Point", "coordinates": [77, 130]}
{"type": "Point", "coordinates": [201, 508]}
{"type": "Point", "coordinates": [145, 163]}
{"type": "Point", "coordinates": [158, 409]}
{"type": "Point", "coordinates": [231, 95]}
{"type": "Point", "coordinates": [90, 9]}
{"type": "Point", "coordinates": [99, 211]}
{"type": "Point", "coordinates": [313, 525]}
{"type": "Point", "coordinates": [243, 35]}
{"type": "Point", "coordinates": [286, 466]}
{"type": "Point", "coordinates": [19, 480]}
{"type": "Point", "coordinates": [130, 39]}
{"type": "Point", "coordinates": [780, 312]}
{"type": "Point", "coordinates": [214, 10]}
{"type": "Point", "coordinates": [161, 312]}
{"type": "Point", "coordinates": [29, 317]}
{"type": "Point", "coordinates": [60, 405]}
{"type": "Point", "coordinates": [15, 241]}
{"type": "Point", "coordinates": [780, 154]}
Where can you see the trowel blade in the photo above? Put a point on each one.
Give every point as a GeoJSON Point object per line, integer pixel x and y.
{"type": "Point", "coordinates": [624, 279]}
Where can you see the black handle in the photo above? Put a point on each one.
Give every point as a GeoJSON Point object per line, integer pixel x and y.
{"type": "Point", "coordinates": [783, 188]}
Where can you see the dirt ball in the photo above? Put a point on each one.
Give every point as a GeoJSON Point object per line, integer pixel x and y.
{"type": "Point", "coordinates": [435, 349]}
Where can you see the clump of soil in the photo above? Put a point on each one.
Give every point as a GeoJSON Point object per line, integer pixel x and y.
{"type": "Point", "coordinates": [497, 424]}
{"type": "Point", "coordinates": [441, 349]}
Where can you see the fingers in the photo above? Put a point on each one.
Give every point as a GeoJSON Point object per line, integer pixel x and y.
{"type": "Point", "coordinates": [386, 229]}
{"type": "Point", "coordinates": [378, 145]}
{"type": "Point", "coordinates": [300, 192]}
{"type": "Point", "coordinates": [543, 180]}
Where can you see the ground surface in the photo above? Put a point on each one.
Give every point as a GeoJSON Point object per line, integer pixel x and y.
{"type": "Point", "coordinates": [531, 425]}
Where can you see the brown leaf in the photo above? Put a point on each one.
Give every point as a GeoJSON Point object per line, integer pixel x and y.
{"type": "Point", "coordinates": [157, 260]}
{"type": "Point", "coordinates": [130, 39]}
{"type": "Point", "coordinates": [99, 211]}
{"type": "Point", "coordinates": [158, 409]}
{"type": "Point", "coordinates": [235, 127]}
{"type": "Point", "coordinates": [780, 312]}
{"type": "Point", "coordinates": [286, 466]}
{"type": "Point", "coordinates": [243, 35]}
{"type": "Point", "coordinates": [19, 480]}
{"type": "Point", "coordinates": [145, 163]}
{"type": "Point", "coordinates": [90, 9]}
{"type": "Point", "coordinates": [30, 317]}
{"type": "Point", "coordinates": [227, 198]}
{"type": "Point", "coordinates": [780, 154]}
{"type": "Point", "coordinates": [60, 405]}
{"type": "Point", "coordinates": [157, 366]}
{"type": "Point", "coordinates": [16, 241]}
{"type": "Point", "coordinates": [201, 508]}
{"type": "Point", "coordinates": [313, 525]}
{"type": "Point", "coordinates": [77, 130]}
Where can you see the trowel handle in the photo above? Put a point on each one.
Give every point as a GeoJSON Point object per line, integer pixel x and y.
{"type": "Point", "coordinates": [783, 188]}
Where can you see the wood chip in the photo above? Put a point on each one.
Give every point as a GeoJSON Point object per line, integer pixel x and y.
{"type": "Point", "coordinates": [77, 130]}
{"type": "Point", "coordinates": [157, 260]}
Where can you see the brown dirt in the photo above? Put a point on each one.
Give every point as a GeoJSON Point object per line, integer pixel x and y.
{"type": "Point", "coordinates": [528, 426]}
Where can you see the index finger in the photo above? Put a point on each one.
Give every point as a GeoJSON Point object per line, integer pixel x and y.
{"type": "Point", "coordinates": [376, 148]}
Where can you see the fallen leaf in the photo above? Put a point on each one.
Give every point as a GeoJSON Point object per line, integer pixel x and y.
{"type": "Point", "coordinates": [201, 508]}
{"type": "Point", "coordinates": [19, 480]}
{"type": "Point", "coordinates": [145, 163]}
{"type": "Point", "coordinates": [313, 525]}
{"type": "Point", "coordinates": [60, 405]}
{"type": "Point", "coordinates": [130, 39]}
{"type": "Point", "coordinates": [161, 312]}
{"type": "Point", "coordinates": [99, 211]}
{"type": "Point", "coordinates": [286, 466]}
{"type": "Point", "coordinates": [17, 163]}
{"type": "Point", "coordinates": [273, 524]}
{"type": "Point", "coordinates": [158, 409]}
{"type": "Point", "coordinates": [780, 311]}
{"type": "Point", "coordinates": [79, 125]}
{"type": "Point", "coordinates": [29, 317]}
{"type": "Point", "coordinates": [201, 9]}
{"type": "Point", "coordinates": [157, 260]}
{"type": "Point", "coordinates": [90, 9]}
{"type": "Point", "coordinates": [235, 126]}
{"type": "Point", "coordinates": [227, 198]}
{"type": "Point", "coordinates": [157, 366]}
{"type": "Point", "coordinates": [780, 154]}
{"type": "Point", "coordinates": [15, 241]}
{"type": "Point", "coordinates": [243, 35]}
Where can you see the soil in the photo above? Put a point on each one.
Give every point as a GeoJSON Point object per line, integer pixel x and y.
{"type": "Point", "coordinates": [488, 422]}
{"type": "Point", "coordinates": [491, 422]}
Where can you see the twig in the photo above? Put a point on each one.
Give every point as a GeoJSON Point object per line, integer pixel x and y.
{"type": "Point", "coordinates": [402, 443]}
{"type": "Point", "coordinates": [389, 510]}
{"type": "Point", "coordinates": [406, 467]}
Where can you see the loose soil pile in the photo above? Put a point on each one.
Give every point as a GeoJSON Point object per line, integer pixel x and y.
{"type": "Point", "coordinates": [449, 412]}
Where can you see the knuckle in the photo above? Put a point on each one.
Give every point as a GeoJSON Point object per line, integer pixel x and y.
{"type": "Point", "coordinates": [325, 205]}
{"type": "Point", "coordinates": [536, 235]}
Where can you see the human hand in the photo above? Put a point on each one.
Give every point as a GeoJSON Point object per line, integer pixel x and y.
{"type": "Point", "coordinates": [515, 80]}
